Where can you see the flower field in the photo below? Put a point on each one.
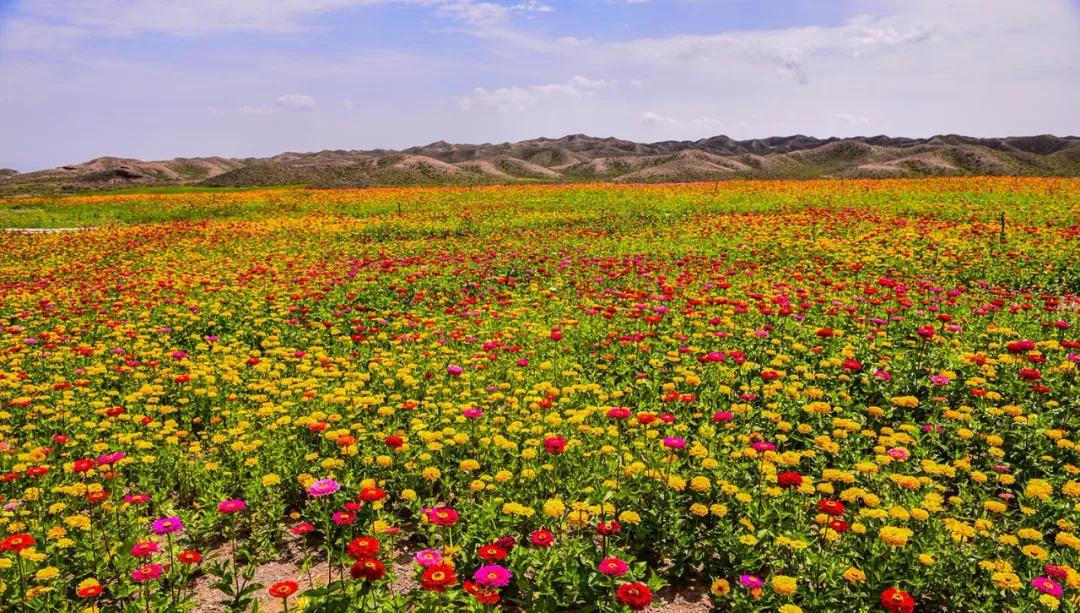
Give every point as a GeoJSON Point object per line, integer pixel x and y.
{"type": "Point", "coordinates": [816, 396]}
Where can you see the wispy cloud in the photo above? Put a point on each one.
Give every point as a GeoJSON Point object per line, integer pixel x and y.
{"type": "Point", "coordinates": [296, 102]}
{"type": "Point", "coordinates": [519, 98]}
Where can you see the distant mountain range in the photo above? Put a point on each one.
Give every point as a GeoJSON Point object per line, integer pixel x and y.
{"type": "Point", "coordinates": [581, 158]}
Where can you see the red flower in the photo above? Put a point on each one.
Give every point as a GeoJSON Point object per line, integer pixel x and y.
{"type": "Point", "coordinates": [555, 444]}
{"type": "Point", "coordinates": [438, 577]}
{"type": "Point", "coordinates": [368, 569]}
{"type": "Point", "coordinates": [832, 507]}
{"type": "Point", "coordinates": [1030, 374]}
{"type": "Point", "coordinates": [634, 595]}
{"type": "Point", "coordinates": [363, 547]}
{"type": "Point", "coordinates": [394, 441]}
{"type": "Point", "coordinates": [189, 556]}
{"type": "Point", "coordinates": [788, 480]}
{"type": "Point", "coordinates": [96, 497]}
{"type": "Point", "coordinates": [1020, 346]}
{"type": "Point", "coordinates": [607, 528]}
{"type": "Point", "coordinates": [17, 542]}
{"type": "Point", "coordinates": [81, 466]}
{"type": "Point", "coordinates": [839, 526]}
{"type": "Point", "coordinates": [896, 601]}
{"type": "Point", "coordinates": [302, 528]}
{"type": "Point", "coordinates": [283, 589]}
{"type": "Point", "coordinates": [482, 594]}
{"type": "Point", "coordinates": [91, 591]}
{"type": "Point", "coordinates": [371, 494]}
{"type": "Point", "coordinates": [492, 553]}
{"type": "Point", "coordinates": [542, 538]}
{"type": "Point", "coordinates": [645, 418]}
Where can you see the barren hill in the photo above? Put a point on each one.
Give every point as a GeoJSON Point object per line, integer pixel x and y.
{"type": "Point", "coordinates": [579, 157]}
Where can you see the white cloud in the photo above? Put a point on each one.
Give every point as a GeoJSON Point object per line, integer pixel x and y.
{"type": "Point", "coordinates": [700, 126]}
{"type": "Point", "coordinates": [256, 111]}
{"type": "Point", "coordinates": [58, 23]}
{"type": "Point", "coordinates": [852, 120]}
{"type": "Point", "coordinates": [517, 98]}
{"type": "Point", "coordinates": [296, 102]}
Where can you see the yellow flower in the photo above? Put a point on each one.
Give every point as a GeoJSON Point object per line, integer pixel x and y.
{"type": "Point", "coordinates": [630, 517]}
{"type": "Point", "coordinates": [1006, 581]}
{"type": "Point", "coordinates": [1049, 602]}
{"type": "Point", "coordinates": [784, 585]}
{"type": "Point", "coordinates": [700, 484]}
{"type": "Point", "coordinates": [896, 537]}
{"type": "Point", "coordinates": [270, 480]}
{"type": "Point", "coordinates": [1038, 488]}
{"type": "Point", "coordinates": [554, 507]}
{"type": "Point", "coordinates": [1034, 552]}
{"type": "Point", "coordinates": [699, 509]}
{"type": "Point", "coordinates": [748, 539]}
{"type": "Point", "coordinates": [789, 608]}
{"type": "Point", "coordinates": [853, 575]}
{"type": "Point", "coordinates": [720, 587]}
{"type": "Point", "coordinates": [47, 574]}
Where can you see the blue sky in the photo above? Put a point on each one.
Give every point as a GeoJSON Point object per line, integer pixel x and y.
{"type": "Point", "coordinates": [156, 79]}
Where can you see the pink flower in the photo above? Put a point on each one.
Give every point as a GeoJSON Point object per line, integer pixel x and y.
{"type": "Point", "coordinates": [145, 549]}
{"type": "Point", "coordinates": [613, 567]}
{"type": "Point", "coordinates": [428, 558]}
{"type": "Point", "coordinates": [232, 506]}
{"type": "Point", "coordinates": [146, 573]}
{"type": "Point", "coordinates": [492, 575]}
{"type": "Point", "coordinates": [454, 370]}
{"type": "Point", "coordinates": [473, 412]}
{"type": "Point", "coordinates": [323, 487]}
{"type": "Point", "coordinates": [723, 416]}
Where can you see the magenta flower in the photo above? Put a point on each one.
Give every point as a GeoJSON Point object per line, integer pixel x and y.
{"type": "Point", "coordinates": [723, 416]}
{"type": "Point", "coordinates": [1046, 585]}
{"type": "Point", "coordinates": [454, 370]}
{"type": "Point", "coordinates": [492, 575]}
{"type": "Point", "coordinates": [674, 442]}
{"type": "Point", "coordinates": [343, 518]}
{"type": "Point", "coordinates": [112, 458]}
{"type": "Point", "coordinates": [473, 412]}
{"type": "Point", "coordinates": [323, 487]}
{"type": "Point", "coordinates": [167, 525]}
{"type": "Point", "coordinates": [613, 567]}
{"type": "Point", "coordinates": [751, 582]}
{"type": "Point", "coordinates": [231, 506]}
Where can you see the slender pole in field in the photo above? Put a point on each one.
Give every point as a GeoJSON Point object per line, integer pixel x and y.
{"type": "Point", "coordinates": [1003, 226]}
